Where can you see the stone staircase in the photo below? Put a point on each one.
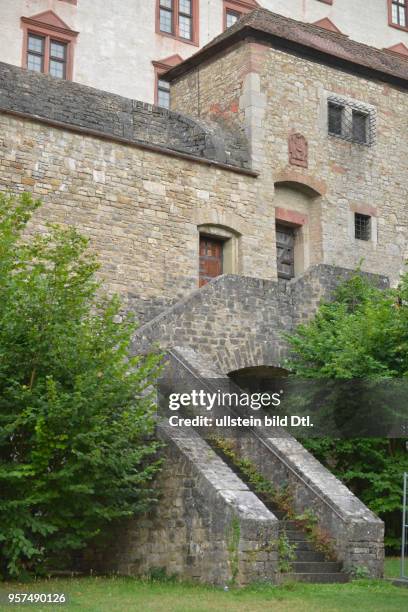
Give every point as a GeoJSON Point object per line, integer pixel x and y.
{"type": "Point", "coordinates": [309, 565]}
{"type": "Point", "coordinates": [354, 533]}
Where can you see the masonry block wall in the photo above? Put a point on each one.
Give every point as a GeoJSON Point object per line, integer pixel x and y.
{"type": "Point", "coordinates": [208, 526]}
{"type": "Point", "coordinates": [239, 322]}
{"type": "Point", "coordinates": [141, 208]}
{"type": "Point", "coordinates": [271, 93]}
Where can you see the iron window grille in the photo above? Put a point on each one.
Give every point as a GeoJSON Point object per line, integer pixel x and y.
{"type": "Point", "coordinates": [351, 121]}
{"type": "Point", "coordinates": [362, 226]}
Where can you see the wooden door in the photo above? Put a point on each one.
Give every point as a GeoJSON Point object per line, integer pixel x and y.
{"type": "Point", "coordinates": [285, 246]}
{"type": "Point", "coordinates": [210, 259]}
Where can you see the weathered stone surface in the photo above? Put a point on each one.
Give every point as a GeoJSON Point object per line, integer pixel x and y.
{"type": "Point", "coordinates": [356, 533]}
{"type": "Point", "coordinates": [83, 107]}
{"type": "Point", "coordinates": [238, 321]}
{"type": "Point", "coordinates": [208, 526]}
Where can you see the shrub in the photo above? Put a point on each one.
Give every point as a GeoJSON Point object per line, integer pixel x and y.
{"type": "Point", "coordinates": [76, 447]}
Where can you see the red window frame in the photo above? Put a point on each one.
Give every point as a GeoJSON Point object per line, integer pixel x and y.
{"type": "Point", "coordinates": [391, 22]}
{"type": "Point", "coordinates": [160, 67]}
{"type": "Point", "coordinates": [31, 26]}
{"type": "Point", "coordinates": [240, 7]}
{"type": "Point", "coordinates": [195, 22]}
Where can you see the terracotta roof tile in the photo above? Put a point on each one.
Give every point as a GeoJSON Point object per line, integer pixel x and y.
{"type": "Point", "coordinates": [328, 46]}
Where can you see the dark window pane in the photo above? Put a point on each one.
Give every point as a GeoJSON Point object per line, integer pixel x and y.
{"type": "Point", "coordinates": [362, 226]}
{"type": "Point", "coordinates": [335, 119]}
{"type": "Point", "coordinates": [285, 250]}
{"type": "Point", "coordinates": [360, 123]}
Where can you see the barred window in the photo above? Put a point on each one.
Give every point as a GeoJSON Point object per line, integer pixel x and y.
{"type": "Point", "coordinates": [360, 125]}
{"type": "Point", "coordinates": [362, 226]}
{"type": "Point", "coordinates": [58, 59]}
{"type": "Point", "coordinates": [335, 118]}
{"type": "Point", "coordinates": [185, 19]}
{"type": "Point", "coordinates": [351, 120]}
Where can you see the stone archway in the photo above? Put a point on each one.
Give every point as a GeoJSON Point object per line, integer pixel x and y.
{"type": "Point", "coordinates": [258, 378]}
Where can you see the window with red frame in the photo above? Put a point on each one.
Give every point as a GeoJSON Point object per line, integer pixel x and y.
{"type": "Point", "coordinates": [231, 17]}
{"type": "Point", "coordinates": [399, 13]}
{"type": "Point", "coordinates": [178, 18]}
{"type": "Point", "coordinates": [235, 9]}
{"type": "Point", "coordinates": [47, 55]}
{"type": "Point", "coordinates": [163, 93]}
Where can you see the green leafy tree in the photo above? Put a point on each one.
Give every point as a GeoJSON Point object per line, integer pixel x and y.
{"type": "Point", "coordinates": [361, 334]}
{"type": "Point", "coordinates": [76, 409]}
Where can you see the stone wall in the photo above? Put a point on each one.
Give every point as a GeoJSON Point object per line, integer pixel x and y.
{"type": "Point", "coordinates": [111, 115]}
{"type": "Point", "coordinates": [268, 94]}
{"type": "Point", "coordinates": [355, 532]}
{"type": "Point", "coordinates": [207, 526]}
{"type": "Point", "coordinates": [141, 208]}
{"type": "Point", "coordinates": [239, 322]}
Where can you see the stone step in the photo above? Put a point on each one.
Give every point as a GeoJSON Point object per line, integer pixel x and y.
{"type": "Point", "coordinates": [315, 578]}
{"type": "Point", "coordinates": [289, 525]}
{"type": "Point", "coordinates": [316, 567]}
{"type": "Point", "coordinates": [309, 555]}
{"type": "Point", "coordinates": [293, 534]}
{"type": "Point", "coordinates": [303, 545]}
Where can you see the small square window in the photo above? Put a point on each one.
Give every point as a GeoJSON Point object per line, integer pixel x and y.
{"type": "Point", "coordinates": [362, 226]}
{"type": "Point", "coordinates": [335, 119]}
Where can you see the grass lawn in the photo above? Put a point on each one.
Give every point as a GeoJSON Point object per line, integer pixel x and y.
{"type": "Point", "coordinates": [129, 595]}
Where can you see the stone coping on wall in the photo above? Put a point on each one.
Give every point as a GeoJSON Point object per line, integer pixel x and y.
{"type": "Point", "coordinates": [285, 447]}
{"type": "Point", "coordinates": [72, 106]}
{"type": "Point", "coordinates": [229, 487]}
